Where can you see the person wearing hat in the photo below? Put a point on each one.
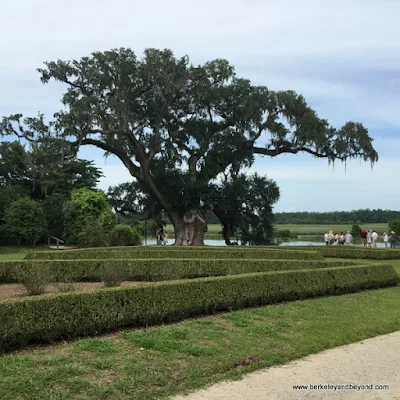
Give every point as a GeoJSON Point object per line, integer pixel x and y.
{"type": "Point", "coordinates": [392, 240]}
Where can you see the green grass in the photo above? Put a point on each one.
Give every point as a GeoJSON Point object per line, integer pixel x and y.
{"type": "Point", "coordinates": [159, 362]}
{"type": "Point", "coordinates": [12, 256]}
{"type": "Point", "coordinates": [299, 229]}
{"type": "Point", "coordinates": [163, 361]}
{"type": "Point", "coordinates": [156, 363]}
{"type": "Point", "coordinates": [314, 229]}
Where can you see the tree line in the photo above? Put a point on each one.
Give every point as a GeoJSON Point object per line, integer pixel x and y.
{"type": "Point", "coordinates": [362, 216]}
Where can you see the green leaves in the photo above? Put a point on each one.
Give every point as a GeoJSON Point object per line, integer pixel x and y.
{"type": "Point", "coordinates": [25, 220]}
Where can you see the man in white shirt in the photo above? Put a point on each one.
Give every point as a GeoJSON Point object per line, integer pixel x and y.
{"type": "Point", "coordinates": [374, 238]}
{"type": "Point", "coordinates": [348, 238]}
{"type": "Point", "coordinates": [326, 238]}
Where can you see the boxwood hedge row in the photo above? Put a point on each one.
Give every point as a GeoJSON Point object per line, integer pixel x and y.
{"type": "Point", "coordinates": [156, 269]}
{"type": "Point", "coordinates": [162, 253]}
{"type": "Point", "coordinates": [71, 315]}
{"type": "Point", "coordinates": [353, 252]}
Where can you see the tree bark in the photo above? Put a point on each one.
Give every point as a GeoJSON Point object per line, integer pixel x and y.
{"type": "Point", "coordinates": [190, 228]}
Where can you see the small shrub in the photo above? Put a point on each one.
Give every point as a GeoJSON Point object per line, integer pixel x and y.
{"type": "Point", "coordinates": [94, 235]}
{"type": "Point", "coordinates": [112, 276]}
{"type": "Point", "coordinates": [355, 232]}
{"type": "Point", "coordinates": [34, 277]}
{"type": "Point", "coordinates": [125, 235]}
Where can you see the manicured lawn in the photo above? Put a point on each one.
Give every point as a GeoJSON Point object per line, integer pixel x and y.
{"type": "Point", "coordinates": [12, 256]}
{"type": "Point", "coordinates": [158, 362]}
{"type": "Point", "coordinates": [396, 265]}
{"type": "Point", "coordinates": [310, 229]}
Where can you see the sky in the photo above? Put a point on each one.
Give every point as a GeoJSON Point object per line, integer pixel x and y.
{"type": "Point", "coordinates": [343, 56]}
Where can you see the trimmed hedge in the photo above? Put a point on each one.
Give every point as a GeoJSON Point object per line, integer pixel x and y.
{"type": "Point", "coordinates": [353, 252]}
{"type": "Point", "coordinates": [161, 253]}
{"type": "Point", "coordinates": [72, 315]}
{"type": "Point", "coordinates": [156, 269]}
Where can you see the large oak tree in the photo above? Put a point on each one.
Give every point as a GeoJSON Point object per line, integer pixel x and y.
{"type": "Point", "coordinates": [178, 127]}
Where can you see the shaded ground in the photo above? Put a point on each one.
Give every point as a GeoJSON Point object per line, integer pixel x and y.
{"type": "Point", "coordinates": [373, 365]}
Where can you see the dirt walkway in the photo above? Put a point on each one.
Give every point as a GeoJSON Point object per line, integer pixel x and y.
{"type": "Point", "coordinates": [373, 362]}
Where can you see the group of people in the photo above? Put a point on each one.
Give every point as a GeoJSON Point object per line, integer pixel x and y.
{"type": "Point", "coordinates": [331, 238]}
{"type": "Point", "coordinates": [162, 237]}
{"type": "Point", "coordinates": [369, 238]}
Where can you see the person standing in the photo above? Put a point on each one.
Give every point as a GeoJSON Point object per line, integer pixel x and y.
{"type": "Point", "coordinates": [331, 237]}
{"type": "Point", "coordinates": [165, 240]}
{"type": "Point", "coordinates": [369, 238]}
{"type": "Point", "coordinates": [374, 238]}
{"type": "Point", "coordinates": [326, 238]}
{"type": "Point", "coordinates": [160, 237]}
{"type": "Point", "coordinates": [385, 238]}
{"type": "Point", "coordinates": [392, 240]}
{"type": "Point", "coordinates": [336, 238]}
{"type": "Point", "coordinates": [348, 238]}
{"type": "Point", "coordinates": [363, 235]}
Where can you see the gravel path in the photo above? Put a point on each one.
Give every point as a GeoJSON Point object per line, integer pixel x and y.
{"type": "Point", "coordinates": [373, 362]}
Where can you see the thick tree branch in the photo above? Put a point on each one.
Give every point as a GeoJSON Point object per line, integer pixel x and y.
{"type": "Point", "coordinates": [288, 150]}
{"type": "Point", "coordinates": [134, 170]}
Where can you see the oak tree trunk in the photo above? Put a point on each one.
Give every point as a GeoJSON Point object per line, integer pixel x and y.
{"type": "Point", "coordinates": [190, 228]}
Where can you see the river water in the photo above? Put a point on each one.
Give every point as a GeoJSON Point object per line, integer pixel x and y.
{"type": "Point", "coordinates": [283, 244]}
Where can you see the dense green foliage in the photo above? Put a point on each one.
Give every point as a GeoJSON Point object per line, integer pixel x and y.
{"type": "Point", "coordinates": [163, 253]}
{"type": "Point", "coordinates": [153, 269]}
{"type": "Point", "coordinates": [394, 225]}
{"type": "Point", "coordinates": [355, 232]}
{"type": "Point", "coordinates": [125, 235]}
{"type": "Point", "coordinates": [363, 216]}
{"type": "Point", "coordinates": [46, 173]}
{"type": "Point", "coordinates": [24, 221]}
{"type": "Point", "coordinates": [89, 313]}
{"type": "Point", "coordinates": [88, 212]}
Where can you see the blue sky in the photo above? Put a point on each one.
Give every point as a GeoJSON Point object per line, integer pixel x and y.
{"type": "Point", "coordinates": [344, 57]}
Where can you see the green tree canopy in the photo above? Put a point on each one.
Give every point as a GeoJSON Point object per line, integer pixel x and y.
{"type": "Point", "coordinates": [45, 167]}
{"type": "Point", "coordinates": [177, 127]}
{"type": "Point", "coordinates": [394, 225]}
{"type": "Point", "coordinates": [87, 208]}
{"type": "Point", "coordinates": [25, 220]}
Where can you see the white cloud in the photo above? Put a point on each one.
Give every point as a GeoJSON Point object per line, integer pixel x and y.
{"type": "Point", "coordinates": [114, 174]}
{"type": "Point", "coordinates": [284, 45]}
{"type": "Point", "coordinates": [237, 28]}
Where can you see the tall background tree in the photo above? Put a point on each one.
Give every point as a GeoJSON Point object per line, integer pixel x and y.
{"type": "Point", "coordinates": [178, 128]}
{"type": "Point", "coordinates": [45, 172]}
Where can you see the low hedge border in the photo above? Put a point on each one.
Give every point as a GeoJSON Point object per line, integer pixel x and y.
{"type": "Point", "coordinates": [71, 315]}
{"type": "Point", "coordinates": [156, 270]}
{"type": "Point", "coordinates": [161, 253]}
{"type": "Point", "coordinates": [353, 252]}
